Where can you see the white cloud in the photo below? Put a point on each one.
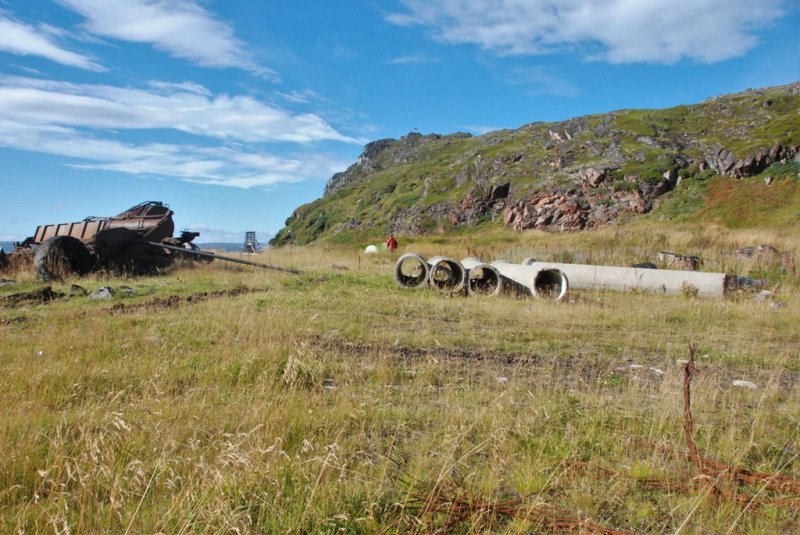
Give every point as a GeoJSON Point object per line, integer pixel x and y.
{"type": "Point", "coordinates": [186, 107]}
{"type": "Point", "coordinates": [302, 96]}
{"type": "Point", "coordinates": [86, 122]}
{"type": "Point", "coordinates": [480, 129]}
{"type": "Point", "coordinates": [180, 28]}
{"type": "Point", "coordinates": [24, 40]}
{"type": "Point", "coordinates": [188, 87]}
{"type": "Point", "coordinates": [617, 31]}
{"type": "Point", "coordinates": [413, 58]}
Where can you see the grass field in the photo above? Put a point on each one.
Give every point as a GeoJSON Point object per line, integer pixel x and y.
{"type": "Point", "coordinates": [225, 399]}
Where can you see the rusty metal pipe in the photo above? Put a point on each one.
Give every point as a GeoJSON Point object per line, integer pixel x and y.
{"type": "Point", "coordinates": [207, 254]}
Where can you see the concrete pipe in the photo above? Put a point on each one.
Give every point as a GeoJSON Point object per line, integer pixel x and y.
{"type": "Point", "coordinates": [482, 279]}
{"type": "Point", "coordinates": [550, 284]}
{"type": "Point", "coordinates": [447, 275]}
{"type": "Point", "coordinates": [411, 271]}
{"type": "Point", "coordinates": [543, 282]}
{"type": "Point", "coordinates": [587, 277]}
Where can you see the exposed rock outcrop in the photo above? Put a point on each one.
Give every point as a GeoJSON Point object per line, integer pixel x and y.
{"type": "Point", "coordinates": [363, 167]}
{"type": "Point", "coordinates": [478, 204]}
{"type": "Point", "coordinates": [723, 161]}
{"type": "Point", "coordinates": [384, 153]}
{"type": "Point", "coordinates": [595, 204]}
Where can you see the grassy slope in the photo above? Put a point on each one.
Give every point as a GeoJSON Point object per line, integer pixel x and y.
{"type": "Point", "coordinates": [211, 415]}
{"type": "Point", "coordinates": [742, 123]}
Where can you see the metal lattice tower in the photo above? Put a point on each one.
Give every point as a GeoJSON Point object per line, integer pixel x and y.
{"type": "Point", "coordinates": [251, 245]}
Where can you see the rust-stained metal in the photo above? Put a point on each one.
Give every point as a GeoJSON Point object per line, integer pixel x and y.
{"type": "Point", "coordinates": [139, 239]}
{"type": "Point", "coordinates": [214, 256]}
{"type": "Point", "coordinates": [149, 219]}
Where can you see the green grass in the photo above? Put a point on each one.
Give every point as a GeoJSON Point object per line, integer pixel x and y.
{"type": "Point", "coordinates": [221, 399]}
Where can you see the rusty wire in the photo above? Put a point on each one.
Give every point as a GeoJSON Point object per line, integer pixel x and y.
{"type": "Point", "coordinates": [718, 480]}
{"type": "Point", "coordinates": [457, 510]}
{"type": "Point", "coordinates": [719, 469]}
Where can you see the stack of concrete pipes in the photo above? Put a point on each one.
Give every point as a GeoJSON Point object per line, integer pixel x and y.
{"type": "Point", "coordinates": [474, 277]}
{"type": "Point", "coordinates": [548, 280]}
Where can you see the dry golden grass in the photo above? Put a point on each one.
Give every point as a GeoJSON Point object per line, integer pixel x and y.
{"type": "Point", "coordinates": [224, 399]}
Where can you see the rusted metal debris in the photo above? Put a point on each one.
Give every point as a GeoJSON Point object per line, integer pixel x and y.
{"type": "Point", "coordinates": [138, 240]}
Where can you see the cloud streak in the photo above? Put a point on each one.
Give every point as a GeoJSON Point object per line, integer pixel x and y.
{"type": "Point", "coordinates": [180, 28]}
{"type": "Point", "coordinates": [185, 107]}
{"type": "Point", "coordinates": [221, 166]}
{"type": "Point", "coordinates": [86, 122]}
{"type": "Point", "coordinates": [412, 59]}
{"type": "Point", "coordinates": [616, 31]}
{"type": "Point", "coordinates": [24, 40]}
{"type": "Point", "coordinates": [539, 81]}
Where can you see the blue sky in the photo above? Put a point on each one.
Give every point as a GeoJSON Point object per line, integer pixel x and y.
{"type": "Point", "coordinates": [236, 112]}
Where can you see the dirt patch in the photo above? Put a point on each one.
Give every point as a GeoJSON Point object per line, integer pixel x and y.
{"type": "Point", "coordinates": [570, 371]}
{"type": "Point", "coordinates": [469, 364]}
{"type": "Point", "coordinates": [47, 294]}
{"type": "Point", "coordinates": [416, 353]}
{"type": "Point", "coordinates": [174, 301]}
{"type": "Point", "coordinates": [12, 321]}
{"type": "Point", "coordinates": [40, 296]}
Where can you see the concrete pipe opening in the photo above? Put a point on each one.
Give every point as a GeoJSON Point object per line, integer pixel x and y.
{"type": "Point", "coordinates": [447, 275]}
{"type": "Point", "coordinates": [411, 271]}
{"type": "Point", "coordinates": [484, 280]}
{"type": "Point", "coordinates": [550, 284]}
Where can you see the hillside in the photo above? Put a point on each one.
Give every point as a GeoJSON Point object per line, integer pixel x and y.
{"type": "Point", "coordinates": [583, 173]}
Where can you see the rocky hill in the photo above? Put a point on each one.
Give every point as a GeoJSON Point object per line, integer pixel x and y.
{"type": "Point", "coordinates": [577, 174]}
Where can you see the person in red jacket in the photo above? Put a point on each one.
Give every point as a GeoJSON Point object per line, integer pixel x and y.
{"type": "Point", "coordinates": [391, 243]}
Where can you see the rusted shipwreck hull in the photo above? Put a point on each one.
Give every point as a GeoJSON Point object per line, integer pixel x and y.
{"type": "Point", "coordinates": [138, 240]}
{"type": "Point", "coordinates": [95, 243]}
